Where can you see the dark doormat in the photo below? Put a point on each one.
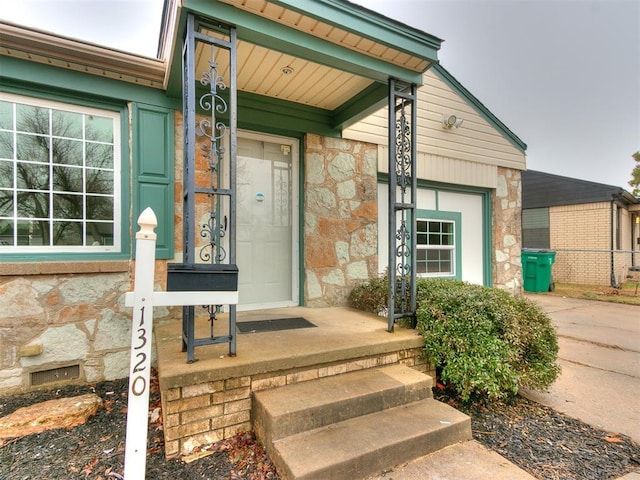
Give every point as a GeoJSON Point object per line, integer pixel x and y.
{"type": "Point", "coordinates": [273, 325]}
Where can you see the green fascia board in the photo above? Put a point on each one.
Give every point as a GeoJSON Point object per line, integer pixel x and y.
{"type": "Point", "coordinates": [369, 24]}
{"type": "Point", "coordinates": [24, 75]}
{"type": "Point", "coordinates": [367, 102]}
{"type": "Point", "coordinates": [257, 112]}
{"type": "Point", "coordinates": [269, 34]}
{"type": "Point", "coordinates": [457, 87]}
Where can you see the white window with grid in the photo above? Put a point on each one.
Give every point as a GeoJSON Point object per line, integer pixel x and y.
{"type": "Point", "coordinates": [59, 177]}
{"type": "Point", "coordinates": [436, 254]}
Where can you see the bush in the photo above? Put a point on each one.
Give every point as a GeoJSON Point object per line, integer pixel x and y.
{"type": "Point", "coordinates": [371, 296]}
{"type": "Point", "coordinates": [484, 342]}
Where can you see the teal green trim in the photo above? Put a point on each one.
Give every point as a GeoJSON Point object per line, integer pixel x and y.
{"type": "Point", "coordinates": [456, 218]}
{"type": "Point", "coordinates": [153, 166]}
{"type": "Point", "coordinates": [21, 76]}
{"type": "Point", "coordinates": [125, 197]}
{"type": "Point", "coordinates": [262, 31]}
{"type": "Point", "coordinates": [487, 235]}
{"type": "Point", "coordinates": [367, 102]}
{"type": "Point", "coordinates": [479, 107]}
{"type": "Point", "coordinates": [260, 113]}
{"type": "Point", "coordinates": [369, 24]}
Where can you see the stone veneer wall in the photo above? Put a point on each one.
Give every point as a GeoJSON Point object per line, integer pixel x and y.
{"type": "Point", "coordinates": [340, 231]}
{"type": "Point", "coordinates": [201, 414]}
{"type": "Point", "coordinates": [72, 316]}
{"type": "Point", "coordinates": [507, 231]}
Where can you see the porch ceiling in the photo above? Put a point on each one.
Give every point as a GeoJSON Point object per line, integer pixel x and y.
{"type": "Point", "coordinates": [326, 54]}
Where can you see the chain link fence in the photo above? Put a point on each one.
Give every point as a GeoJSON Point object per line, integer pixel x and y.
{"type": "Point", "coordinates": [596, 267]}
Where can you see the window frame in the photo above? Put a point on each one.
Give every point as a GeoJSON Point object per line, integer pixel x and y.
{"type": "Point", "coordinates": [120, 249]}
{"type": "Point", "coordinates": [454, 218]}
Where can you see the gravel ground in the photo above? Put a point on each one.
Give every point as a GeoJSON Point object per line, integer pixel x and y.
{"type": "Point", "coordinates": [547, 444]}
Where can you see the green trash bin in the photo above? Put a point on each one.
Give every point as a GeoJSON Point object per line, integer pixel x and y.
{"type": "Point", "coordinates": [536, 269]}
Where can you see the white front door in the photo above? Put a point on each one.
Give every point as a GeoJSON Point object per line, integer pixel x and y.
{"type": "Point", "coordinates": [267, 221]}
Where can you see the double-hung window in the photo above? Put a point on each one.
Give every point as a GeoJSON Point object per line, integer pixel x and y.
{"type": "Point", "coordinates": [438, 246]}
{"type": "Point", "coordinates": [59, 177]}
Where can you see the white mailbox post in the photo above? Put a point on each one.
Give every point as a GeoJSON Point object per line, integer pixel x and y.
{"type": "Point", "coordinates": [143, 299]}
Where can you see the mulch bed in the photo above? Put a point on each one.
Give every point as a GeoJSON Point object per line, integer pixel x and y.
{"type": "Point", "coordinates": [547, 444]}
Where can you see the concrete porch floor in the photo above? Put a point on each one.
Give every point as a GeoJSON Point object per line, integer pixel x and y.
{"type": "Point", "coordinates": [340, 334]}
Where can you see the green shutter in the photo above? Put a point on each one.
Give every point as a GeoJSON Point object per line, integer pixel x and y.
{"type": "Point", "coordinates": [153, 153]}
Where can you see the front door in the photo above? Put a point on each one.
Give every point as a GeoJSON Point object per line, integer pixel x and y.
{"type": "Point", "coordinates": [267, 226]}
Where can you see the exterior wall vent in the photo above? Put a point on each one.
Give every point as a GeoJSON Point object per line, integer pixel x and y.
{"type": "Point", "coordinates": [55, 375]}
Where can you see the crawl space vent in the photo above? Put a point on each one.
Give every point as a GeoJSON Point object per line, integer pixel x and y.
{"type": "Point", "coordinates": [55, 375]}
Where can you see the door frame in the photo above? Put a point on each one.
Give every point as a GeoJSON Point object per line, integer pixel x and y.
{"type": "Point", "coordinates": [294, 300]}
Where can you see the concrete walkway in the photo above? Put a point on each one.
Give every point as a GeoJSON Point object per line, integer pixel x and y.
{"type": "Point", "coordinates": [599, 384]}
{"type": "Point", "coordinates": [600, 360]}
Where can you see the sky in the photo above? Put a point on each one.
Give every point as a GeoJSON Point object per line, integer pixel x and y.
{"type": "Point", "coordinates": [563, 75]}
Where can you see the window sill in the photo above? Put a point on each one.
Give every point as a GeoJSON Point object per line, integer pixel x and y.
{"type": "Point", "coordinates": [50, 268]}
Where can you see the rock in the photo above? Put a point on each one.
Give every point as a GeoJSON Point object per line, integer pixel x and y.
{"type": "Point", "coordinates": [60, 413]}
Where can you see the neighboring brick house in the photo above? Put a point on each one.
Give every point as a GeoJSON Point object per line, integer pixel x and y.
{"type": "Point", "coordinates": [90, 136]}
{"type": "Point", "coordinates": [592, 227]}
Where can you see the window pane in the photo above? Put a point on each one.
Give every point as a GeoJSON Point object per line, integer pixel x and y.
{"type": "Point", "coordinates": [33, 176]}
{"type": "Point", "coordinates": [6, 174]}
{"type": "Point", "coordinates": [99, 208]}
{"type": "Point", "coordinates": [34, 233]}
{"type": "Point", "coordinates": [66, 124]}
{"type": "Point", "coordinates": [99, 155]}
{"type": "Point", "coordinates": [67, 152]}
{"type": "Point", "coordinates": [6, 115]}
{"type": "Point", "coordinates": [6, 203]}
{"type": "Point", "coordinates": [99, 129]}
{"type": "Point", "coordinates": [434, 227]}
{"type": "Point", "coordinates": [34, 148]}
{"type": "Point", "coordinates": [6, 231]}
{"type": "Point", "coordinates": [33, 205]}
{"type": "Point", "coordinates": [32, 119]}
{"type": "Point", "coordinates": [99, 233]}
{"type": "Point", "coordinates": [67, 233]}
{"type": "Point", "coordinates": [99, 181]}
{"type": "Point", "coordinates": [434, 239]}
{"type": "Point", "coordinates": [67, 206]}
{"type": "Point", "coordinates": [67, 179]}
{"type": "Point", "coordinates": [6, 145]}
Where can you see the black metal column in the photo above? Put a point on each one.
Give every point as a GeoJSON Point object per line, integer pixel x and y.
{"type": "Point", "coordinates": [402, 202]}
{"type": "Point", "coordinates": [213, 97]}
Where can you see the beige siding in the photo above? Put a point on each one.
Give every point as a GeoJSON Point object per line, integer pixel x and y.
{"type": "Point", "coordinates": [466, 155]}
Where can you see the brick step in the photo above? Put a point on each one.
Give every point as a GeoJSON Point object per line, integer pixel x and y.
{"type": "Point", "coordinates": [363, 446]}
{"type": "Point", "coordinates": [296, 408]}
{"type": "Point", "coordinates": [354, 425]}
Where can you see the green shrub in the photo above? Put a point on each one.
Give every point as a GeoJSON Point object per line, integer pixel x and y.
{"type": "Point", "coordinates": [484, 342]}
{"type": "Point", "coordinates": [371, 296]}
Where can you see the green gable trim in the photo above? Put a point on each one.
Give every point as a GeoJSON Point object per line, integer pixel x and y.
{"type": "Point", "coordinates": [369, 24]}
{"type": "Point", "coordinates": [264, 32]}
{"type": "Point", "coordinates": [24, 75]}
{"type": "Point", "coordinates": [457, 87]}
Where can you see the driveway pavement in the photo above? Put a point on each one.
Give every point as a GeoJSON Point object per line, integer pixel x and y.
{"type": "Point", "coordinates": [600, 359]}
